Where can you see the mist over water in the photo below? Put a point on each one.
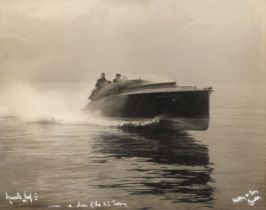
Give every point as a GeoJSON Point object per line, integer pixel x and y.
{"type": "Point", "coordinates": [30, 103]}
{"type": "Point", "coordinates": [55, 103]}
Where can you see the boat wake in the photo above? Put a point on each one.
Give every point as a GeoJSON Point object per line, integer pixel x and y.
{"type": "Point", "coordinates": [96, 121]}
{"type": "Point", "coordinates": [79, 117]}
{"type": "Point", "coordinates": [169, 124]}
{"type": "Point", "coordinates": [157, 122]}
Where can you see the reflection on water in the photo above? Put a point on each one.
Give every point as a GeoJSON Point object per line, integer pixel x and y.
{"type": "Point", "coordinates": [146, 168]}
{"type": "Point", "coordinates": [179, 165]}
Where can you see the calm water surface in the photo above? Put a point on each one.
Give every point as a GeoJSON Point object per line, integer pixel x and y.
{"type": "Point", "coordinates": [146, 168]}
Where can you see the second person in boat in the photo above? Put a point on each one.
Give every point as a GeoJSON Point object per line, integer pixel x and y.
{"type": "Point", "coordinates": [117, 78]}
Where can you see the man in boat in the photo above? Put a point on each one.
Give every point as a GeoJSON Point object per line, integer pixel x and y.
{"type": "Point", "coordinates": [102, 81]}
{"type": "Point", "coordinates": [117, 78]}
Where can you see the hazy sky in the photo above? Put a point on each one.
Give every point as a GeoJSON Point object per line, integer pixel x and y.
{"type": "Point", "coordinates": [191, 41]}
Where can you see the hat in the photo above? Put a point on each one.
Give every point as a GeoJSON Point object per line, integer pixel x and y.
{"type": "Point", "coordinates": [118, 75]}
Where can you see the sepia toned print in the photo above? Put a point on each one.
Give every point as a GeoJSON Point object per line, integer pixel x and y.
{"type": "Point", "coordinates": [132, 104]}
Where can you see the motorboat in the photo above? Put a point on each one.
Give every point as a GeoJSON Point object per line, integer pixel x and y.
{"type": "Point", "coordinates": [141, 99]}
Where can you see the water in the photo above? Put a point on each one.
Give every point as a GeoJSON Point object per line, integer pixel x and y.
{"type": "Point", "coordinates": [145, 167]}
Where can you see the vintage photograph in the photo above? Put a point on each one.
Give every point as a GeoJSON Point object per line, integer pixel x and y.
{"type": "Point", "coordinates": [133, 104]}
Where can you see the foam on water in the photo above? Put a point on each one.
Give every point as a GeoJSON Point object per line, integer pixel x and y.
{"type": "Point", "coordinates": [32, 105]}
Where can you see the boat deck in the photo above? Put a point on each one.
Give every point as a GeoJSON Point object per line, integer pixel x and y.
{"type": "Point", "coordinates": [165, 90]}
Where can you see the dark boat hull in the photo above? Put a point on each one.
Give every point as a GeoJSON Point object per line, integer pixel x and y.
{"type": "Point", "coordinates": [192, 105]}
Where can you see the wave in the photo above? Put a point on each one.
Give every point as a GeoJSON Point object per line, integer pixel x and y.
{"type": "Point", "coordinates": [154, 123]}
{"type": "Point", "coordinates": [87, 119]}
